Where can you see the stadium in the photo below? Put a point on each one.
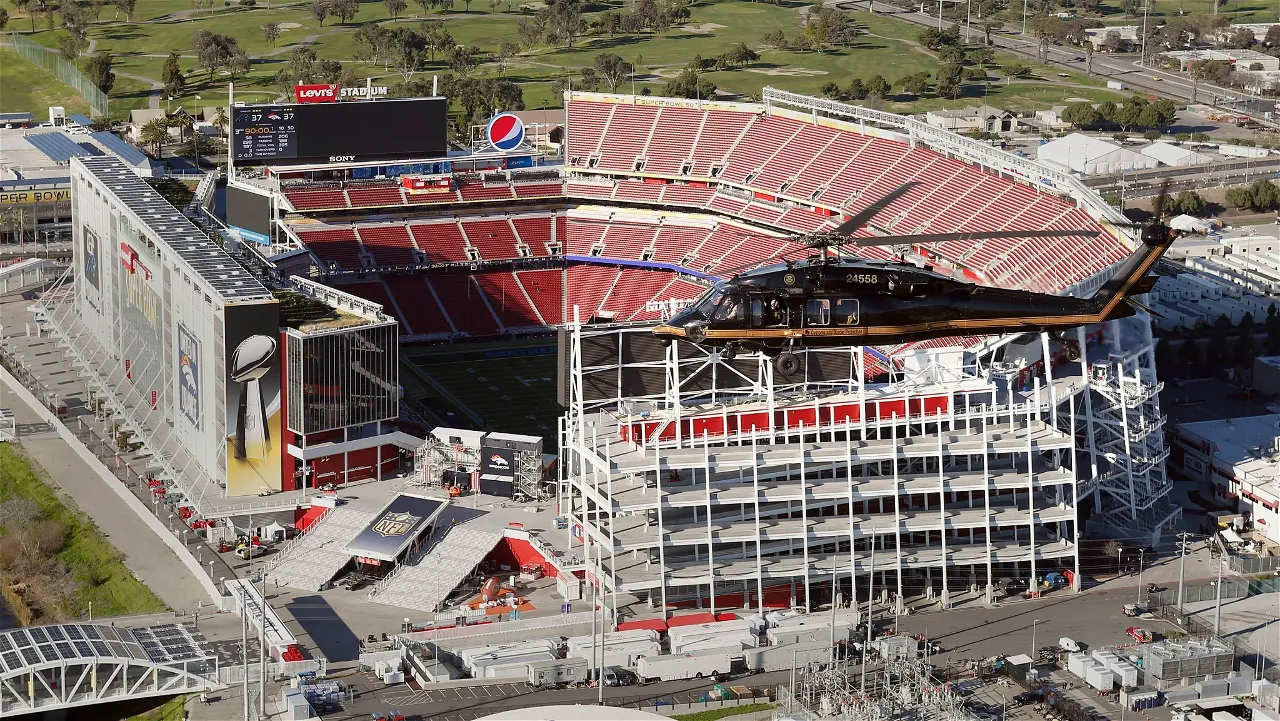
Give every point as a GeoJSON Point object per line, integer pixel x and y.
{"type": "Point", "coordinates": [523, 289]}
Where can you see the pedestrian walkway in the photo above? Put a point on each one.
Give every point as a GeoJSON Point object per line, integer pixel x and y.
{"type": "Point", "coordinates": [144, 553]}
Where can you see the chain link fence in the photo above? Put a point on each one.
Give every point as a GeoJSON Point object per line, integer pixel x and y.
{"type": "Point", "coordinates": [50, 60]}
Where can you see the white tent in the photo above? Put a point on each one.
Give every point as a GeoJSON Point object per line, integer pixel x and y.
{"type": "Point", "coordinates": [1173, 155]}
{"type": "Point", "coordinates": [1080, 153]}
{"type": "Point", "coordinates": [1190, 224]}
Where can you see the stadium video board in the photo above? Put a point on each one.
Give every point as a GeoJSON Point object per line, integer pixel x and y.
{"type": "Point", "coordinates": [339, 132]}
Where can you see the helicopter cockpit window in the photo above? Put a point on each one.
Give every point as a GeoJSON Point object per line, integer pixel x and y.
{"type": "Point", "coordinates": [847, 311]}
{"type": "Point", "coordinates": [730, 309]}
{"type": "Point", "coordinates": [817, 311]}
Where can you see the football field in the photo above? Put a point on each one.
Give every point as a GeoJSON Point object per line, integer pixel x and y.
{"type": "Point", "coordinates": [507, 386]}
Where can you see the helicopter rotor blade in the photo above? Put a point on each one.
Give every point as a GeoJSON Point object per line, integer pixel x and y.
{"type": "Point", "coordinates": [865, 215]}
{"type": "Point", "coordinates": [1157, 205]}
{"type": "Point", "coordinates": [944, 237]}
{"type": "Point", "coordinates": [781, 255]}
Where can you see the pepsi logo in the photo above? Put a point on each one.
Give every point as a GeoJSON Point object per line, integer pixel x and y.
{"type": "Point", "coordinates": [505, 131]}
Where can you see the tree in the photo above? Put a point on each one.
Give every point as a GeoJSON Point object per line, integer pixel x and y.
{"type": "Point", "coordinates": [70, 47]}
{"type": "Point", "coordinates": [506, 51]}
{"type": "Point", "coordinates": [609, 23]}
{"type": "Point", "coordinates": [856, 90]}
{"type": "Point", "coordinates": [220, 119]}
{"type": "Point", "coordinates": [1016, 70]}
{"type": "Point", "coordinates": [775, 39]}
{"type": "Point", "coordinates": [530, 31]}
{"type": "Point", "coordinates": [99, 71]}
{"type": "Point", "coordinates": [320, 10]}
{"type": "Point", "coordinates": [437, 38]}
{"type": "Point", "coordinates": [612, 69]}
{"type": "Point", "coordinates": [564, 21]}
{"type": "Point", "coordinates": [155, 134]}
{"type": "Point", "coordinates": [1188, 202]}
{"type": "Point", "coordinates": [1082, 115]}
{"type": "Point", "coordinates": [213, 51]}
{"type": "Point", "coordinates": [740, 54]}
{"type": "Point", "coordinates": [238, 64]}
{"type": "Point", "coordinates": [1151, 136]}
{"type": "Point", "coordinates": [175, 83]}
{"type": "Point", "coordinates": [689, 84]}
{"type": "Point", "coordinates": [831, 89]}
{"type": "Point", "coordinates": [395, 7]}
{"type": "Point", "coordinates": [1112, 549]}
{"type": "Point", "coordinates": [1244, 351]}
{"type": "Point", "coordinates": [950, 80]}
{"type": "Point", "coordinates": [463, 60]}
{"type": "Point", "coordinates": [271, 31]}
{"type": "Point", "coordinates": [1238, 38]}
{"type": "Point", "coordinates": [126, 6]}
{"type": "Point", "coordinates": [372, 43]}
{"type": "Point", "coordinates": [1273, 36]}
{"type": "Point", "coordinates": [4, 18]}
{"type": "Point", "coordinates": [345, 10]}
{"type": "Point", "coordinates": [25, 6]}
{"type": "Point", "coordinates": [916, 84]}
{"type": "Point", "coordinates": [408, 51]}
{"type": "Point", "coordinates": [878, 87]}
{"type": "Point", "coordinates": [826, 26]}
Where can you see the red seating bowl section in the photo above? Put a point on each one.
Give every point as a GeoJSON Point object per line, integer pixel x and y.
{"type": "Point", "coordinates": [781, 157]}
{"type": "Point", "coordinates": [763, 159]}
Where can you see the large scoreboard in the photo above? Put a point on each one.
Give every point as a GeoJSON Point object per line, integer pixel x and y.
{"type": "Point", "coordinates": [349, 131]}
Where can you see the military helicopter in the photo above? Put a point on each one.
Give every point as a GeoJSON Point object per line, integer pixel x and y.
{"type": "Point", "coordinates": [829, 300]}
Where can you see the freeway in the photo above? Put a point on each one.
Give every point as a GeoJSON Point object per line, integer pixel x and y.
{"type": "Point", "coordinates": [1118, 67]}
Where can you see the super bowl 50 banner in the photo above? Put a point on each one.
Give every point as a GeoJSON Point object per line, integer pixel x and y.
{"type": "Point", "coordinates": [254, 400]}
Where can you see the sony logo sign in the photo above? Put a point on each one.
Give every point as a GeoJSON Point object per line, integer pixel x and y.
{"type": "Point", "coordinates": [341, 158]}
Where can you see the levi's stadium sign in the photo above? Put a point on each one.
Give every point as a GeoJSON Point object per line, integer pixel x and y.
{"type": "Point", "coordinates": [315, 93]}
{"type": "Point", "coordinates": [332, 93]}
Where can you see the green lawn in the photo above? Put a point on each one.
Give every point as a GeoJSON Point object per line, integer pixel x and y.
{"type": "Point", "coordinates": [1239, 11]}
{"type": "Point", "coordinates": [888, 49]}
{"type": "Point", "coordinates": [719, 713]}
{"type": "Point", "coordinates": [174, 709]}
{"type": "Point", "coordinates": [93, 562]}
{"type": "Point", "coordinates": [27, 86]}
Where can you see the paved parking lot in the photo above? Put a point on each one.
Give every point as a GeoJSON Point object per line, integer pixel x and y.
{"type": "Point", "coordinates": [398, 697]}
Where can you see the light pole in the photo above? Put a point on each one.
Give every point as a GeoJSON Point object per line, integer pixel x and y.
{"type": "Point", "coordinates": [1141, 560]}
{"type": "Point", "coordinates": [1024, 17]}
{"type": "Point", "coordinates": [1217, 606]}
{"type": "Point", "coordinates": [1182, 567]}
{"type": "Point", "coordinates": [1119, 550]}
{"type": "Point", "coordinates": [1033, 641]}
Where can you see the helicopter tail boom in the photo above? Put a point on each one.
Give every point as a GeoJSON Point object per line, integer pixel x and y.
{"type": "Point", "coordinates": [1132, 278]}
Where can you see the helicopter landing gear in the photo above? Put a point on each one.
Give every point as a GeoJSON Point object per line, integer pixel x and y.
{"type": "Point", "coordinates": [787, 363]}
{"type": "Point", "coordinates": [1069, 346]}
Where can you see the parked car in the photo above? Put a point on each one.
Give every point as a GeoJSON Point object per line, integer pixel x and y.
{"type": "Point", "coordinates": [1067, 644]}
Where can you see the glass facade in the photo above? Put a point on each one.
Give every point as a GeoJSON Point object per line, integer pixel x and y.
{"type": "Point", "coordinates": [343, 377]}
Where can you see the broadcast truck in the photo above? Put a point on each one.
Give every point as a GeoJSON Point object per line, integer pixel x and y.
{"type": "Point", "coordinates": [677, 667]}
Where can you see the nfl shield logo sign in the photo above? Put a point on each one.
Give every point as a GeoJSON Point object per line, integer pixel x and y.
{"type": "Point", "coordinates": [395, 524]}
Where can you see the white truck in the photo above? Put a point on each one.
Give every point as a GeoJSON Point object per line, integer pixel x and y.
{"type": "Point", "coordinates": [557, 671]}
{"type": "Point", "coordinates": [781, 658]}
{"type": "Point", "coordinates": [676, 667]}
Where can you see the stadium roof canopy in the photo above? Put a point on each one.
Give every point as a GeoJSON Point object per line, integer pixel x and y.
{"type": "Point", "coordinates": [397, 525]}
{"type": "Point", "coordinates": [204, 257]}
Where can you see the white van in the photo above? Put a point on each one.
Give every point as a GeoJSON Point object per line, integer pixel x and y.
{"type": "Point", "coordinates": [1067, 644]}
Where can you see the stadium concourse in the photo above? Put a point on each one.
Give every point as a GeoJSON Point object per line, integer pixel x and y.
{"type": "Point", "coordinates": [657, 198]}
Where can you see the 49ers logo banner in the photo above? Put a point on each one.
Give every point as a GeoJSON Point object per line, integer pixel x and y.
{"type": "Point", "coordinates": [315, 93]}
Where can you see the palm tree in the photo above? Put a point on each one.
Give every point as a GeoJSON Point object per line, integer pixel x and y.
{"type": "Point", "coordinates": [18, 221]}
{"type": "Point", "coordinates": [155, 134]}
{"type": "Point", "coordinates": [220, 119]}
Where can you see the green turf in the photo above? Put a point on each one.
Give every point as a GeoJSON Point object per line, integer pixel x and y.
{"type": "Point", "coordinates": [94, 564]}
{"type": "Point", "coordinates": [27, 86]}
{"type": "Point", "coordinates": [888, 48]}
{"type": "Point", "coordinates": [719, 713]}
{"type": "Point", "coordinates": [174, 709]}
{"type": "Point", "coordinates": [511, 392]}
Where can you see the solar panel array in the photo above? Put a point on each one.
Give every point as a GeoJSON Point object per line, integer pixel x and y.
{"type": "Point", "coordinates": [56, 146]}
{"type": "Point", "coordinates": [25, 647]}
{"type": "Point", "coordinates": [121, 148]}
{"type": "Point", "coordinates": [201, 255]}
{"type": "Point", "coordinates": [16, 117]}
{"type": "Point", "coordinates": [78, 119]}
